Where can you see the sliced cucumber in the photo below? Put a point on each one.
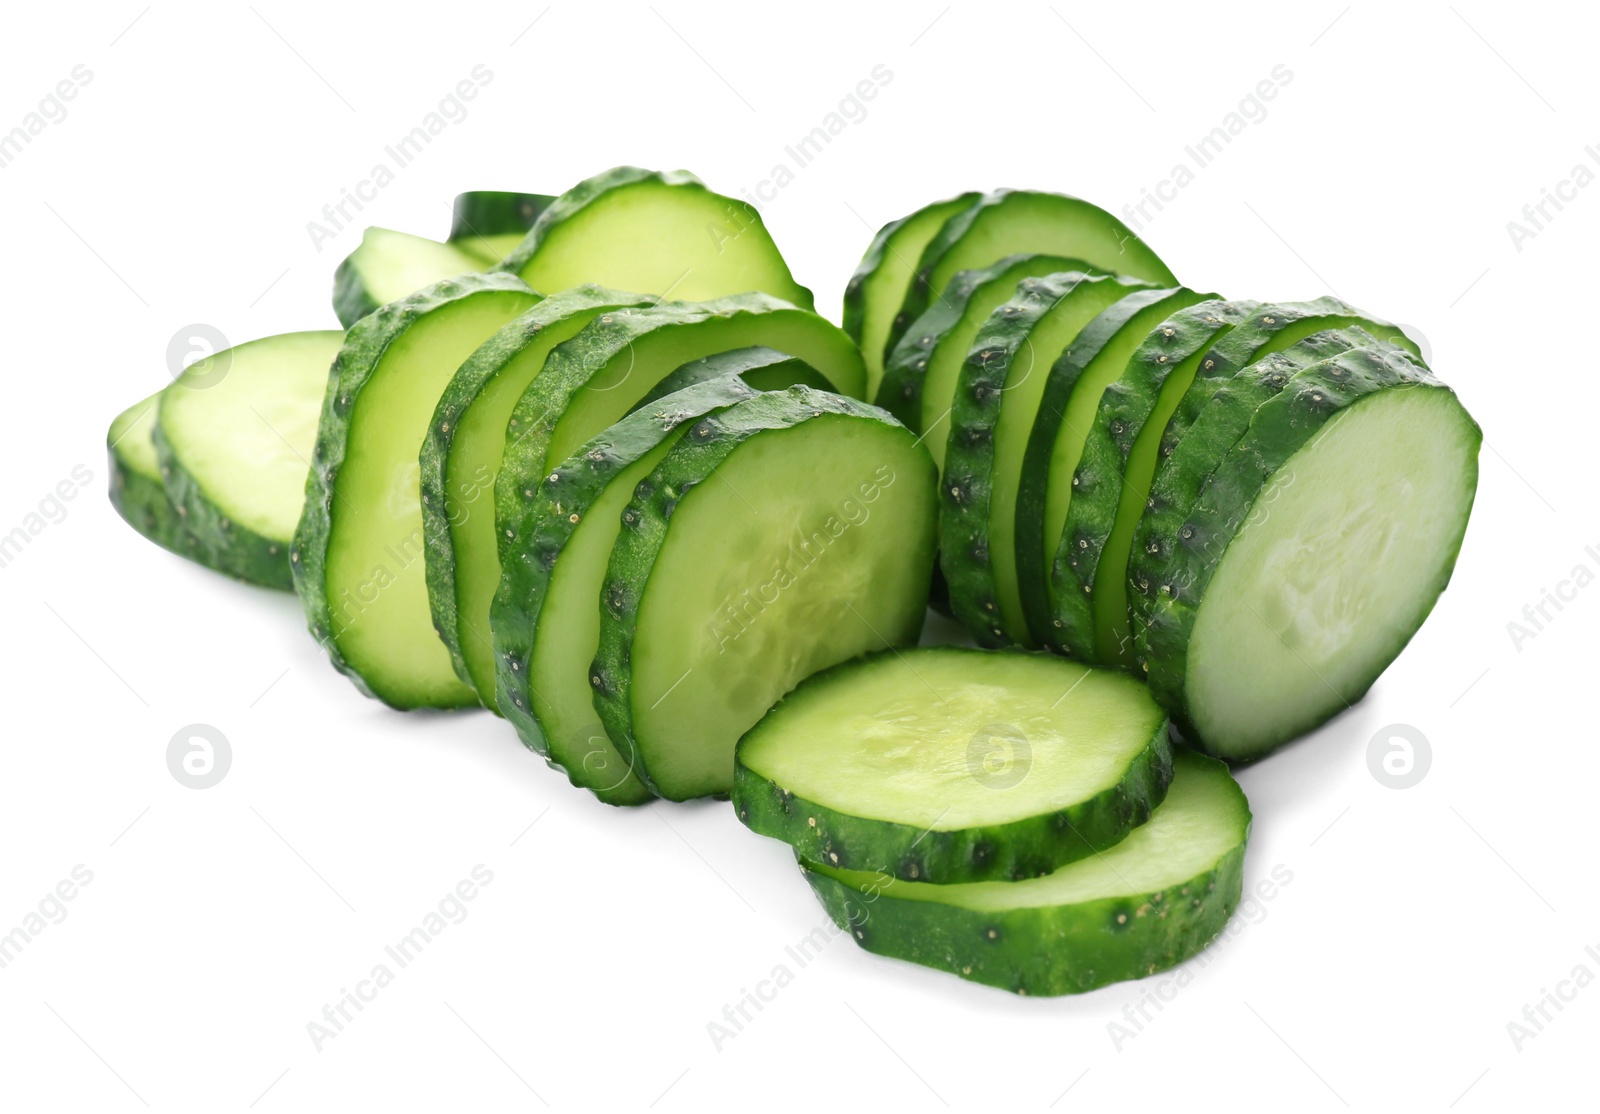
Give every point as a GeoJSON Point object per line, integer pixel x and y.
{"type": "Point", "coordinates": [874, 293]}
{"type": "Point", "coordinates": [235, 434]}
{"type": "Point", "coordinates": [460, 461]}
{"type": "Point", "coordinates": [546, 620]}
{"type": "Point", "coordinates": [136, 488]}
{"type": "Point", "coordinates": [954, 765]}
{"type": "Point", "coordinates": [994, 404]}
{"type": "Point", "coordinates": [1009, 221]}
{"type": "Point", "coordinates": [765, 369]}
{"type": "Point", "coordinates": [654, 233]}
{"type": "Point", "coordinates": [779, 537]}
{"type": "Point", "coordinates": [358, 554]}
{"type": "Point", "coordinates": [1146, 905]}
{"type": "Point", "coordinates": [387, 265]}
{"type": "Point", "coordinates": [489, 224]}
{"type": "Point", "coordinates": [1317, 548]}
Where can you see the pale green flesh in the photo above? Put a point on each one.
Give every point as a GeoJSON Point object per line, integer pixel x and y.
{"type": "Point", "coordinates": [1342, 556]}
{"type": "Point", "coordinates": [745, 599]}
{"type": "Point", "coordinates": [470, 472]}
{"type": "Point", "coordinates": [393, 264]}
{"type": "Point", "coordinates": [680, 241]}
{"type": "Point", "coordinates": [885, 289]}
{"type": "Point", "coordinates": [133, 437]}
{"type": "Point", "coordinates": [1202, 818]}
{"type": "Point", "coordinates": [905, 739]}
{"type": "Point", "coordinates": [377, 589]}
{"type": "Point", "coordinates": [489, 249]}
{"type": "Point", "coordinates": [247, 438]}
{"type": "Point", "coordinates": [616, 388]}
{"type": "Point", "coordinates": [1026, 377]}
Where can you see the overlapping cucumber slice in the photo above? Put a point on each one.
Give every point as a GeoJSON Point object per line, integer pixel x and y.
{"type": "Point", "coordinates": [489, 224]}
{"type": "Point", "coordinates": [955, 765]}
{"type": "Point", "coordinates": [1147, 904]}
{"type": "Point", "coordinates": [779, 537]}
{"type": "Point", "coordinates": [137, 492]}
{"type": "Point", "coordinates": [388, 265]}
{"type": "Point", "coordinates": [765, 369]}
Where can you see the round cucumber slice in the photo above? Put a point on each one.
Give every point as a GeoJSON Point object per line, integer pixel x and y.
{"type": "Point", "coordinates": [776, 538]}
{"type": "Point", "coordinates": [137, 492]}
{"type": "Point", "coordinates": [950, 765]}
{"type": "Point", "coordinates": [388, 265]}
{"type": "Point", "coordinates": [490, 224]}
{"type": "Point", "coordinates": [1146, 905]}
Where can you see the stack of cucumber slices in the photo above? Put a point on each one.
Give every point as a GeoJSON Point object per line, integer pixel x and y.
{"type": "Point", "coordinates": [594, 462]}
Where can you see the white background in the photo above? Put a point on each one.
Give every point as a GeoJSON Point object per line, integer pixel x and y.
{"type": "Point", "coordinates": [219, 922]}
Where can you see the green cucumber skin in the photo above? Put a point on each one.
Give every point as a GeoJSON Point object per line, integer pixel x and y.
{"type": "Point", "coordinates": [693, 458]}
{"type": "Point", "coordinates": [1010, 852]}
{"type": "Point", "coordinates": [364, 346]}
{"type": "Point", "coordinates": [141, 499]}
{"type": "Point", "coordinates": [494, 212]}
{"type": "Point", "coordinates": [568, 491]}
{"type": "Point", "coordinates": [756, 365]}
{"type": "Point", "coordinates": [1097, 485]}
{"type": "Point", "coordinates": [463, 390]}
{"type": "Point", "coordinates": [967, 484]}
{"type": "Point", "coordinates": [351, 300]}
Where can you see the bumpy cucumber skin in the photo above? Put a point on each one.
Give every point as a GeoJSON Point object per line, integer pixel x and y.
{"type": "Point", "coordinates": [142, 501]}
{"type": "Point", "coordinates": [1009, 852]}
{"type": "Point", "coordinates": [1097, 485]}
{"type": "Point", "coordinates": [494, 212]}
{"type": "Point", "coordinates": [692, 459]}
{"type": "Point", "coordinates": [463, 390]}
{"type": "Point", "coordinates": [761, 367]}
{"type": "Point", "coordinates": [968, 481]}
{"type": "Point", "coordinates": [1182, 564]}
{"type": "Point", "coordinates": [364, 347]}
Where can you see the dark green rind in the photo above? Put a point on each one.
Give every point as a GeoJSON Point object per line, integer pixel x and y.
{"type": "Point", "coordinates": [968, 480]}
{"type": "Point", "coordinates": [1097, 485]}
{"type": "Point", "coordinates": [764, 369]}
{"type": "Point", "coordinates": [1049, 950]}
{"type": "Point", "coordinates": [364, 347]}
{"type": "Point", "coordinates": [690, 461]}
{"type": "Point", "coordinates": [351, 301]}
{"type": "Point", "coordinates": [1007, 852]}
{"type": "Point", "coordinates": [464, 388]}
{"type": "Point", "coordinates": [495, 212]}
{"type": "Point", "coordinates": [1135, 258]}
{"type": "Point", "coordinates": [905, 371]}
{"type": "Point", "coordinates": [564, 498]}
{"type": "Point", "coordinates": [140, 497]}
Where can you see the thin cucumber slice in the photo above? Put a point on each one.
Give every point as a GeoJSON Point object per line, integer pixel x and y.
{"type": "Point", "coordinates": [460, 462]}
{"type": "Point", "coordinates": [235, 434]}
{"type": "Point", "coordinates": [136, 488]}
{"type": "Point", "coordinates": [1009, 221]}
{"type": "Point", "coordinates": [545, 614]}
{"type": "Point", "coordinates": [654, 233]}
{"type": "Point", "coordinates": [951, 765]}
{"type": "Point", "coordinates": [994, 405]}
{"type": "Point", "coordinates": [1316, 550]}
{"type": "Point", "coordinates": [765, 369]}
{"type": "Point", "coordinates": [1112, 482]}
{"type": "Point", "coordinates": [1154, 900]}
{"type": "Point", "coordinates": [358, 554]}
{"type": "Point", "coordinates": [874, 293]}
{"type": "Point", "coordinates": [489, 224]}
{"type": "Point", "coordinates": [781, 536]}
{"type": "Point", "coordinates": [388, 265]}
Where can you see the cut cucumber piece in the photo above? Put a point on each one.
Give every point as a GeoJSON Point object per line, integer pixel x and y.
{"type": "Point", "coordinates": [948, 765]}
{"type": "Point", "coordinates": [1009, 221]}
{"type": "Point", "coordinates": [776, 538]}
{"type": "Point", "coordinates": [546, 618]}
{"type": "Point", "coordinates": [136, 488]}
{"type": "Point", "coordinates": [235, 434]}
{"type": "Point", "coordinates": [460, 461]}
{"type": "Point", "coordinates": [489, 224]}
{"type": "Point", "coordinates": [358, 554]}
{"type": "Point", "coordinates": [387, 265]}
{"type": "Point", "coordinates": [654, 233]}
{"type": "Point", "coordinates": [1146, 905]}
{"type": "Point", "coordinates": [994, 404]}
{"type": "Point", "coordinates": [765, 369]}
{"type": "Point", "coordinates": [875, 292]}
{"type": "Point", "coordinates": [1317, 548]}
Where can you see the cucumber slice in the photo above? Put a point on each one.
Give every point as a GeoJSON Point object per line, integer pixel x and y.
{"type": "Point", "coordinates": [764, 369]}
{"type": "Point", "coordinates": [460, 461]}
{"type": "Point", "coordinates": [1317, 548]}
{"type": "Point", "coordinates": [1009, 221]}
{"type": "Point", "coordinates": [358, 553]}
{"type": "Point", "coordinates": [136, 488]}
{"type": "Point", "coordinates": [994, 405]}
{"type": "Point", "coordinates": [779, 537]}
{"type": "Point", "coordinates": [489, 224]}
{"type": "Point", "coordinates": [234, 435]}
{"type": "Point", "coordinates": [654, 233]}
{"type": "Point", "coordinates": [545, 614]}
{"type": "Point", "coordinates": [1154, 900]}
{"type": "Point", "coordinates": [874, 293]}
{"type": "Point", "coordinates": [1016, 765]}
{"type": "Point", "coordinates": [388, 265]}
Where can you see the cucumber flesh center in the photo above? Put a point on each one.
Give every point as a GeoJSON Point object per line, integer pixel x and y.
{"type": "Point", "coordinates": [946, 742]}
{"type": "Point", "coordinates": [393, 264]}
{"type": "Point", "coordinates": [1341, 558]}
{"type": "Point", "coordinates": [1202, 818]}
{"type": "Point", "coordinates": [885, 289]}
{"type": "Point", "coordinates": [828, 559]}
